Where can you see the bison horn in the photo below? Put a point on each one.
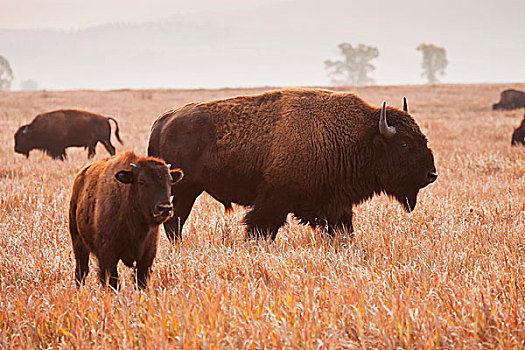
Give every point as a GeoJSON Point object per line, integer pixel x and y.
{"type": "Point", "coordinates": [133, 165]}
{"type": "Point", "coordinates": [24, 129]}
{"type": "Point", "coordinates": [169, 166]}
{"type": "Point", "coordinates": [405, 106]}
{"type": "Point", "coordinates": [385, 130]}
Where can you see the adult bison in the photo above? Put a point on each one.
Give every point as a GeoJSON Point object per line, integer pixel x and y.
{"type": "Point", "coordinates": [518, 136]}
{"type": "Point", "coordinates": [510, 99]}
{"type": "Point", "coordinates": [54, 131]}
{"type": "Point", "coordinates": [314, 153]}
{"type": "Point", "coordinates": [117, 205]}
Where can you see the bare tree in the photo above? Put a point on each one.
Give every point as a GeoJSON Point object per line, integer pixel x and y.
{"type": "Point", "coordinates": [6, 74]}
{"type": "Point", "coordinates": [355, 65]}
{"type": "Point", "coordinates": [434, 61]}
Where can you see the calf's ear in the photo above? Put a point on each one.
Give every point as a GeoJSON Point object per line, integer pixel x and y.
{"type": "Point", "coordinates": [124, 176]}
{"type": "Point", "coordinates": [176, 176]}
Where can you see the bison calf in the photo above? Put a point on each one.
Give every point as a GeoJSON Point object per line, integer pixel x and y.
{"type": "Point", "coordinates": [53, 132]}
{"type": "Point", "coordinates": [117, 205]}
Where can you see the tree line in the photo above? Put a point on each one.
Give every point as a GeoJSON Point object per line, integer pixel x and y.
{"type": "Point", "coordinates": [352, 69]}
{"type": "Point", "coordinates": [6, 77]}
{"type": "Point", "coordinates": [354, 66]}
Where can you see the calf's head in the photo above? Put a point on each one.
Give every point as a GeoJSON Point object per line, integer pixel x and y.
{"type": "Point", "coordinates": [150, 184]}
{"type": "Point", "coordinates": [404, 163]}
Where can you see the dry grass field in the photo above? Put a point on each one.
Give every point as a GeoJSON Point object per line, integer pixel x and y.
{"type": "Point", "coordinates": [449, 275]}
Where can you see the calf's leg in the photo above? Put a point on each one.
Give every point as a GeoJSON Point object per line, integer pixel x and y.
{"type": "Point", "coordinates": [143, 268]}
{"type": "Point", "coordinates": [81, 252]}
{"type": "Point", "coordinates": [107, 273]}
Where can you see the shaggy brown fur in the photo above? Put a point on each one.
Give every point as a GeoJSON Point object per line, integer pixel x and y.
{"type": "Point", "coordinates": [314, 153]}
{"type": "Point", "coordinates": [518, 136]}
{"type": "Point", "coordinates": [117, 205]}
{"type": "Point", "coordinates": [510, 99]}
{"type": "Point", "coordinates": [54, 131]}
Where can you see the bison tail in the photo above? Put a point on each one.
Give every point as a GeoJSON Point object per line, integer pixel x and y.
{"type": "Point", "coordinates": [116, 131]}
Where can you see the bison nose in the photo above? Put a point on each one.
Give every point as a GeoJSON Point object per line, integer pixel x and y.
{"type": "Point", "coordinates": [432, 176]}
{"type": "Point", "coordinates": [164, 209]}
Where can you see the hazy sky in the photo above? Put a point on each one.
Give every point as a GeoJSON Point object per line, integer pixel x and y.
{"type": "Point", "coordinates": [72, 44]}
{"type": "Point", "coordinates": [74, 14]}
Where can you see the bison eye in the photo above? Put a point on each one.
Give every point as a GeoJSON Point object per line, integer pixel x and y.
{"type": "Point", "coordinates": [404, 144]}
{"type": "Point", "coordinates": [142, 183]}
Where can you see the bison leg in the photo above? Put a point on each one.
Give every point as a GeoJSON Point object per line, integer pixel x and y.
{"type": "Point", "coordinates": [142, 273]}
{"type": "Point", "coordinates": [183, 200]}
{"type": "Point", "coordinates": [265, 219]}
{"type": "Point", "coordinates": [58, 154]}
{"type": "Point", "coordinates": [344, 224]}
{"type": "Point", "coordinates": [109, 147]}
{"type": "Point", "coordinates": [107, 273]}
{"type": "Point", "coordinates": [81, 252]}
{"type": "Point", "coordinates": [82, 262]}
{"type": "Point", "coordinates": [143, 269]}
{"type": "Point", "coordinates": [92, 150]}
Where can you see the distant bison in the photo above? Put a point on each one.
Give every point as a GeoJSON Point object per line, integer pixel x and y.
{"type": "Point", "coordinates": [510, 99]}
{"type": "Point", "coordinates": [313, 153]}
{"type": "Point", "coordinates": [116, 207]}
{"type": "Point", "coordinates": [518, 136]}
{"type": "Point", "coordinates": [54, 131]}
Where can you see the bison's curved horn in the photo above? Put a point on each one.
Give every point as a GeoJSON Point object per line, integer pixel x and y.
{"type": "Point", "coordinates": [169, 166]}
{"type": "Point", "coordinates": [384, 129]}
{"type": "Point", "coordinates": [133, 165]}
{"type": "Point", "coordinates": [405, 106]}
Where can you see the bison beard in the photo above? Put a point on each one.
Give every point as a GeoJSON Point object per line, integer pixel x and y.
{"type": "Point", "coordinates": [313, 153]}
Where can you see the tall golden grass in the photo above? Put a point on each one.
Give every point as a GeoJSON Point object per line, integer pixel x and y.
{"type": "Point", "coordinates": [448, 275]}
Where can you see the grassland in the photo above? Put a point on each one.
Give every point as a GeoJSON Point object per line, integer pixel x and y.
{"type": "Point", "coordinates": [448, 275]}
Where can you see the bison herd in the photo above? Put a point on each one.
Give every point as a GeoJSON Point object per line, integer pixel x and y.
{"type": "Point", "coordinates": [313, 153]}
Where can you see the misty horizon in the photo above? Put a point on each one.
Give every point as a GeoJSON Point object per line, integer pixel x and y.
{"type": "Point", "coordinates": [276, 43]}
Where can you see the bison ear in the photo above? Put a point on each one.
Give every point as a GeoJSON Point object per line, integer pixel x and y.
{"type": "Point", "coordinates": [124, 176]}
{"type": "Point", "coordinates": [176, 176]}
